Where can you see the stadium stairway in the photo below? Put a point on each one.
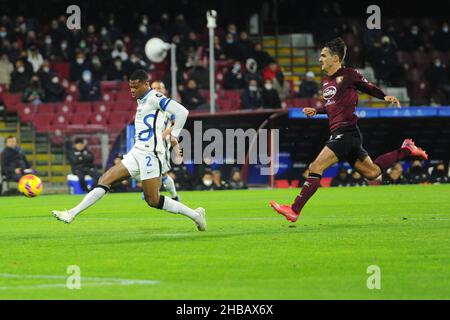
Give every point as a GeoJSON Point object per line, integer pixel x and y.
{"type": "Point", "coordinates": [46, 158]}
{"type": "Point", "coordinates": [296, 55]}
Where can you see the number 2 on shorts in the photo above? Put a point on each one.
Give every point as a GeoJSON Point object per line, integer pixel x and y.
{"type": "Point", "coordinates": [149, 162]}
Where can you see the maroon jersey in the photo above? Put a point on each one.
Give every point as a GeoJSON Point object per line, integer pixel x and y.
{"type": "Point", "coordinates": [341, 97]}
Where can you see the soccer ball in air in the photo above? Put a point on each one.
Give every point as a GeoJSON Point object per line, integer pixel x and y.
{"type": "Point", "coordinates": [30, 185]}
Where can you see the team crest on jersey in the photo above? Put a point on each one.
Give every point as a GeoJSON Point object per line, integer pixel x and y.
{"type": "Point", "coordinates": [339, 79]}
{"type": "Point", "coordinates": [329, 92]}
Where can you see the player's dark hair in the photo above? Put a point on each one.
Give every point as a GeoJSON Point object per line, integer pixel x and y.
{"type": "Point", "coordinates": [337, 47]}
{"type": "Point", "coordinates": [10, 137]}
{"type": "Point", "coordinates": [140, 75]}
{"type": "Point", "coordinates": [78, 140]}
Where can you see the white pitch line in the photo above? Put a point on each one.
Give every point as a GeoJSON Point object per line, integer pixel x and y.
{"type": "Point", "coordinates": [97, 281]}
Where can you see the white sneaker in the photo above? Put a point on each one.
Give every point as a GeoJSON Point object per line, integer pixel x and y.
{"type": "Point", "coordinates": [201, 222]}
{"type": "Point", "coordinates": [64, 216]}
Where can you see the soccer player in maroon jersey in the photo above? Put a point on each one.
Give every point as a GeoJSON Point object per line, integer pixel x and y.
{"type": "Point", "coordinates": [339, 87]}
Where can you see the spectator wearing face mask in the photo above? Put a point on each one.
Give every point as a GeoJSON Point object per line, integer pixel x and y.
{"type": "Point", "coordinates": [308, 88]}
{"type": "Point", "coordinates": [34, 92]}
{"type": "Point", "coordinates": [191, 97]}
{"type": "Point", "coordinates": [63, 52]}
{"type": "Point", "coordinates": [236, 182]}
{"type": "Point", "coordinates": [438, 77]}
{"type": "Point", "coordinates": [6, 69]}
{"type": "Point", "coordinates": [119, 51]}
{"type": "Point", "coordinates": [78, 67]}
{"type": "Point", "coordinates": [45, 74]}
{"type": "Point", "coordinates": [54, 91]}
{"type": "Point", "coordinates": [48, 49]}
{"type": "Point", "coordinates": [19, 78]}
{"type": "Point", "coordinates": [342, 179]}
{"type": "Point", "coordinates": [411, 39]}
{"type": "Point", "coordinates": [206, 183]}
{"type": "Point", "coordinates": [116, 71]}
{"type": "Point", "coordinates": [261, 57]}
{"type": "Point", "coordinates": [35, 58]}
{"type": "Point", "coordinates": [269, 96]}
{"type": "Point", "coordinates": [200, 74]}
{"type": "Point", "coordinates": [98, 69]}
{"type": "Point", "coordinates": [417, 173]}
{"type": "Point", "coordinates": [438, 175]}
{"type": "Point", "coordinates": [88, 87]}
{"type": "Point", "coordinates": [244, 46]}
{"type": "Point", "coordinates": [234, 78]}
{"type": "Point", "coordinates": [229, 47]}
{"type": "Point", "coordinates": [441, 38]}
{"type": "Point", "coordinates": [251, 97]}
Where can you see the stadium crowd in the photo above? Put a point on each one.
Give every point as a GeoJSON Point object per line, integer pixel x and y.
{"type": "Point", "coordinates": [417, 173]}
{"type": "Point", "coordinates": [102, 52]}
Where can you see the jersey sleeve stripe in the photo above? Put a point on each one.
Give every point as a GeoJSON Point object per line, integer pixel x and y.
{"type": "Point", "coordinates": [164, 105]}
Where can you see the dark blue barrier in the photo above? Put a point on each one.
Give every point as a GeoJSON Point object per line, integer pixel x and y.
{"type": "Point", "coordinates": [406, 112]}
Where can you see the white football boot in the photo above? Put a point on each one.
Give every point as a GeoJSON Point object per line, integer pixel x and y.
{"type": "Point", "coordinates": [201, 220]}
{"type": "Point", "coordinates": [64, 216]}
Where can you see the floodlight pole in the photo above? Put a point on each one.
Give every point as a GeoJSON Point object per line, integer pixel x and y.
{"type": "Point", "coordinates": [211, 17]}
{"type": "Point", "coordinates": [173, 70]}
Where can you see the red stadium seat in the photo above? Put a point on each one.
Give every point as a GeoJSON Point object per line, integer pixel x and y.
{"type": "Point", "coordinates": [98, 118]}
{"type": "Point", "coordinates": [121, 106]}
{"type": "Point", "coordinates": [43, 122]}
{"type": "Point", "coordinates": [117, 120]}
{"type": "Point", "coordinates": [108, 96]}
{"type": "Point", "coordinates": [107, 86]}
{"type": "Point", "coordinates": [64, 108]}
{"type": "Point", "coordinates": [123, 86]}
{"type": "Point", "coordinates": [422, 60]}
{"type": "Point", "coordinates": [123, 96]}
{"type": "Point", "coordinates": [82, 107]}
{"type": "Point", "coordinates": [301, 103]}
{"type": "Point", "coordinates": [46, 108]}
{"type": "Point", "coordinates": [62, 69]}
{"type": "Point", "coordinates": [11, 100]}
{"type": "Point", "coordinates": [26, 112]}
{"type": "Point", "coordinates": [101, 107]}
{"type": "Point", "coordinates": [80, 118]}
{"type": "Point", "coordinates": [2, 91]}
{"type": "Point", "coordinates": [61, 121]}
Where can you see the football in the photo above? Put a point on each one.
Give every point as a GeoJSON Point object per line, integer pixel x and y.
{"type": "Point", "coordinates": [30, 185]}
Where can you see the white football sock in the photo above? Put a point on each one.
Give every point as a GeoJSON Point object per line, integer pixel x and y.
{"type": "Point", "coordinates": [169, 184]}
{"type": "Point", "coordinates": [177, 207]}
{"type": "Point", "coordinates": [92, 197]}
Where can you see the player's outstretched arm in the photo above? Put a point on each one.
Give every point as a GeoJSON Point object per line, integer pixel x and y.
{"type": "Point", "coordinates": [180, 114]}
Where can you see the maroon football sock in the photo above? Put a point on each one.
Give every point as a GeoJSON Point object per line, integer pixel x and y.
{"type": "Point", "coordinates": [385, 161]}
{"type": "Point", "coordinates": [309, 188]}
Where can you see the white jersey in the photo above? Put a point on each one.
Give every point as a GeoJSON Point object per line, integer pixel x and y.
{"type": "Point", "coordinates": [150, 121]}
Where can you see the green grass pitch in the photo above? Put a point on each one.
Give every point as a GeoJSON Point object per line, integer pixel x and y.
{"type": "Point", "coordinates": [126, 250]}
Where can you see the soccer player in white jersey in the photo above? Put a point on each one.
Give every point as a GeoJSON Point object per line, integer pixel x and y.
{"type": "Point", "coordinates": [169, 142]}
{"type": "Point", "coordinates": [143, 160]}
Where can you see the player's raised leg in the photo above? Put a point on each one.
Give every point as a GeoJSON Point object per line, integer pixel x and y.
{"type": "Point", "coordinates": [115, 174]}
{"type": "Point", "coordinates": [325, 159]}
{"type": "Point", "coordinates": [156, 200]}
{"type": "Point", "coordinates": [371, 170]}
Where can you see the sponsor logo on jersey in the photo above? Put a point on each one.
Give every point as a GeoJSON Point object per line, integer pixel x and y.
{"type": "Point", "coordinates": [329, 92]}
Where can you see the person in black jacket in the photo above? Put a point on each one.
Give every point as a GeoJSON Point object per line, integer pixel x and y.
{"type": "Point", "coordinates": [13, 160]}
{"type": "Point", "coordinates": [82, 162]}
